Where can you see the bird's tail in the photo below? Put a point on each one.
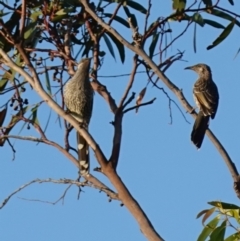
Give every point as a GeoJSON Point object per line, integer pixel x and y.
{"type": "Point", "coordinates": [199, 128]}
{"type": "Point", "coordinates": [83, 155]}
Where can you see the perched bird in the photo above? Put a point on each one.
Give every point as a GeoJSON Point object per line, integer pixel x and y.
{"type": "Point", "coordinates": [78, 97]}
{"type": "Point", "coordinates": [205, 94]}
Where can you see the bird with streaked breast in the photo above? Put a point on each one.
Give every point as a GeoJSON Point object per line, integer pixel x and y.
{"type": "Point", "coordinates": [78, 98]}
{"type": "Point", "coordinates": [206, 97]}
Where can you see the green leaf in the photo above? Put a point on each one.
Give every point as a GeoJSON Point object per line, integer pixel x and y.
{"type": "Point", "coordinates": [34, 115]}
{"type": "Point", "coordinates": [222, 36]}
{"type": "Point", "coordinates": [219, 232]}
{"type": "Point", "coordinates": [202, 212]}
{"type": "Point", "coordinates": [102, 53]}
{"type": "Point", "coordinates": [237, 53]}
{"type": "Point", "coordinates": [132, 16]}
{"type": "Point", "coordinates": [153, 44]}
{"type": "Point", "coordinates": [75, 3]}
{"type": "Point", "coordinates": [15, 119]}
{"type": "Point", "coordinates": [58, 116]}
{"type": "Point", "coordinates": [224, 205]}
{"type": "Point", "coordinates": [48, 86]}
{"type": "Point", "coordinates": [13, 21]}
{"type": "Point", "coordinates": [153, 24]}
{"type": "Point", "coordinates": [232, 213]}
{"type": "Point", "coordinates": [2, 14]}
{"type": "Point", "coordinates": [233, 237]}
{"type": "Point", "coordinates": [87, 46]}
{"type": "Point", "coordinates": [65, 11]}
{"type": "Point", "coordinates": [116, 1]}
{"type": "Point", "coordinates": [76, 40]}
{"type": "Point", "coordinates": [194, 38]}
{"type": "Point", "coordinates": [137, 6]}
{"type": "Point", "coordinates": [213, 23]}
{"type": "Point", "coordinates": [130, 3]}
{"type": "Point", "coordinates": [3, 113]}
{"type": "Point", "coordinates": [58, 18]}
{"type": "Point", "coordinates": [127, 11]}
{"type": "Point", "coordinates": [134, 20]}
{"type": "Point", "coordinates": [30, 31]}
{"type": "Point", "coordinates": [208, 3]}
{"type": "Point", "coordinates": [208, 229]}
{"type": "Point", "coordinates": [79, 51]}
{"type": "Point", "coordinates": [119, 46]}
{"type": "Point", "coordinates": [197, 18]}
{"type": "Point", "coordinates": [208, 214]}
{"type": "Point", "coordinates": [4, 44]}
{"type": "Point", "coordinates": [224, 15]}
{"type": "Point", "coordinates": [34, 16]}
{"type": "Point", "coordinates": [118, 19]}
{"type": "Point", "coordinates": [10, 25]}
{"type": "Point", "coordinates": [49, 116]}
{"type": "Point", "coordinates": [179, 5]}
{"type": "Point", "coordinates": [4, 81]}
{"type": "Point", "coordinates": [236, 214]}
{"type": "Point", "coordinates": [99, 4]}
{"type": "Point", "coordinates": [109, 45]}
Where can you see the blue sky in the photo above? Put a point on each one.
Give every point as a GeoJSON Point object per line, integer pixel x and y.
{"type": "Point", "coordinates": [170, 179]}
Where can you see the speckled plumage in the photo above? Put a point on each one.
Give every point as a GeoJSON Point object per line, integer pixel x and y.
{"type": "Point", "coordinates": [78, 97]}
{"type": "Point", "coordinates": [206, 97]}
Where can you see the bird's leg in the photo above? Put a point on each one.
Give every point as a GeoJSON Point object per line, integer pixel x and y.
{"type": "Point", "coordinates": [82, 125]}
{"type": "Point", "coordinates": [67, 111]}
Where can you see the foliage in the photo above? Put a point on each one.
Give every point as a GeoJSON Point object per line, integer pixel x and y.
{"type": "Point", "coordinates": [227, 215]}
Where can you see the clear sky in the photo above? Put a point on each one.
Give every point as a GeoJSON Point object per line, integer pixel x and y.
{"type": "Point", "coordinates": [170, 179]}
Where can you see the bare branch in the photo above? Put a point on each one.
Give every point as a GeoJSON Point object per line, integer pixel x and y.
{"type": "Point", "coordinates": [120, 75]}
{"type": "Point", "coordinates": [48, 202]}
{"type": "Point", "coordinates": [103, 188]}
{"type": "Point", "coordinates": [131, 80]}
{"type": "Point", "coordinates": [23, 17]}
{"type": "Point", "coordinates": [130, 99]}
{"type": "Point", "coordinates": [147, 16]}
{"type": "Point", "coordinates": [102, 90]}
{"type": "Point", "coordinates": [46, 141]}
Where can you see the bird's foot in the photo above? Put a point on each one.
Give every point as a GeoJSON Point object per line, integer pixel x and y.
{"type": "Point", "coordinates": [192, 110]}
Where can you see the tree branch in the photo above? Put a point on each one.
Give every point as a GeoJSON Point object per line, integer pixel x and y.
{"type": "Point", "coordinates": [102, 90]}
{"type": "Point", "coordinates": [104, 189]}
{"type": "Point", "coordinates": [131, 80]}
{"type": "Point", "coordinates": [137, 106]}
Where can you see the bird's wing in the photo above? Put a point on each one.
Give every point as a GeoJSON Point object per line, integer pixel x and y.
{"type": "Point", "coordinates": [206, 95]}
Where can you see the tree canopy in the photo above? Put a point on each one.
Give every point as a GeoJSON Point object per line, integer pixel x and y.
{"type": "Point", "coordinates": [138, 51]}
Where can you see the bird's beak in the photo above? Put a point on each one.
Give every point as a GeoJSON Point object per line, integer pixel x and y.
{"type": "Point", "coordinates": [190, 67]}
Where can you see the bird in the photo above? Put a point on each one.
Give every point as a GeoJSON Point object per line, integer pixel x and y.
{"type": "Point", "coordinates": [206, 97]}
{"type": "Point", "coordinates": [78, 98]}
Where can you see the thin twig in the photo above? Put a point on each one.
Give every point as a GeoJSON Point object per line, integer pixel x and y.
{"type": "Point", "coordinates": [147, 16]}
{"type": "Point", "coordinates": [138, 106]}
{"type": "Point", "coordinates": [48, 202]}
{"type": "Point", "coordinates": [104, 189]}
{"type": "Point", "coordinates": [130, 82]}
{"type": "Point", "coordinates": [120, 75]}
{"type": "Point", "coordinates": [23, 18]}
